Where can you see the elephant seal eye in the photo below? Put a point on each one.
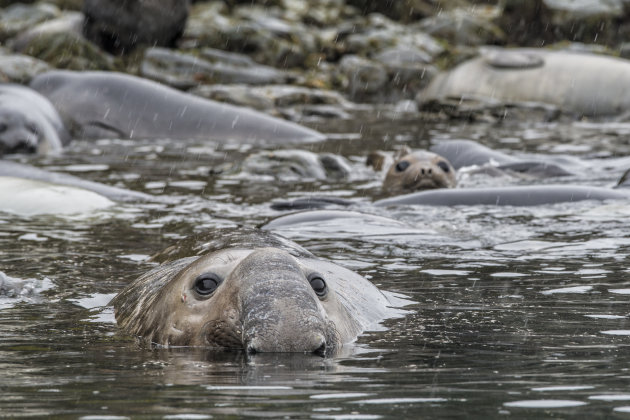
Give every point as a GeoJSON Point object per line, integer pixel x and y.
{"type": "Point", "coordinates": [206, 284]}
{"type": "Point", "coordinates": [402, 165]}
{"type": "Point", "coordinates": [444, 166]}
{"type": "Point", "coordinates": [318, 284]}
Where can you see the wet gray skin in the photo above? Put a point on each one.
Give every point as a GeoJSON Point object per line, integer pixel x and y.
{"type": "Point", "coordinates": [260, 293]}
{"type": "Point", "coordinates": [524, 75]}
{"type": "Point", "coordinates": [464, 153]}
{"type": "Point", "coordinates": [28, 122]}
{"type": "Point", "coordinates": [107, 104]}
{"type": "Point", "coordinates": [506, 196]}
{"type": "Point", "coordinates": [23, 171]}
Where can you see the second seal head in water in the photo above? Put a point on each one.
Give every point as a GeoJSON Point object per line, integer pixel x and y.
{"type": "Point", "coordinates": [250, 291]}
{"type": "Point", "coordinates": [419, 170]}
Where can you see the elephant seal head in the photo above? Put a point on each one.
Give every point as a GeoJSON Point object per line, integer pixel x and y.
{"type": "Point", "coordinates": [258, 299]}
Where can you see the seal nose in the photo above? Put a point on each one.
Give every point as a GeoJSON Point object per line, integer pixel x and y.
{"type": "Point", "coordinates": [317, 346]}
{"type": "Point", "coordinates": [19, 144]}
{"type": "Point", "coordinates": [423, 171]}
{"type": "Point", "coordinates": [280, 312]}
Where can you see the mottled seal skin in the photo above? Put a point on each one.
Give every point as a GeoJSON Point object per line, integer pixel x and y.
{"type": "Point", "coordinates": [249, 290]}
{"type": "Point", "coordinates": [506, 196]}
{"type": "Point", "coordinates": [579, 83]}
{"type": "Point", "coordinates": [419, 170]}
{"type": "Point", "coordinates": [28, 122]}
{"type": "Point", "coordinates": [118, 26]}
{"type": "Point", "coordinates": [109, 104]}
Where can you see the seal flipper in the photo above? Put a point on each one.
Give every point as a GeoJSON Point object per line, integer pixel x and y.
{"type": "Point", "coordinates": [624, 181]}
{"type": "Point", "coordinates": [99, 130]}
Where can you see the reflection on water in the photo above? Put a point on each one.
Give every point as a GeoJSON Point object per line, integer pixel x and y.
{"type": "Point", "coordinates": [521, 311]}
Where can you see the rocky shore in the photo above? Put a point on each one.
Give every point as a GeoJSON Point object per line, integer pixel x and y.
{"type": "Point", "coordinates": [315, 59]}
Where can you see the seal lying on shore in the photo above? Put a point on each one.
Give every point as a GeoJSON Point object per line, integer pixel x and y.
{"type": "Point", "coordinates": [250, 290]}
{"type": "Point", "coordinates": [117, 105]}
{"type": "Point", "coordinates": [579, 83]}
{"type": "Point", "coordinates": [28, 122]}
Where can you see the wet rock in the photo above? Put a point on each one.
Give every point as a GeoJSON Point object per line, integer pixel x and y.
{"type": "Point", "coordinates": [379, 34]}
{"type": "Point", "coordinates": [405, 10]}
{"type": "Point", "coordinates": [491, 111]}
{"type": "Point", "coordinates": [293, 102]}
{"type": "Point", "coordinates": [64, 23]}
{"type": "Point", "coordinates": [59, 43]}
{"type": "Point", "coordinates": [408, 70]}
{"type": "Point", "coordinates": [394, 75]}
{"type": "Point", "coordinates": [314, 113]}
{"type": "Point", "coordinates": [366, 78]}
{"type": "Point", "coordinates": [320, 13]}
{"type": "Point", "coordinates": [292, 164]}
{"type": "Point", "coordinates": [118, 26]}
{"type": "Point", "coordinates": [242, 95]}
{"type": "Point", "coordinates": [209, 66]}
{"type": "Point", "coordinates": [546, 21]}
{"type": "Point", "coordinates": [624, 50]}
{"type": "Point", "coordinates": [18, 68]}
{"type": "Point", "coordinates": [62, 4]}
{"type": "Point", "coordinates": [18, 18]}
{"type": "Point", "coordinates": [470, 26]}
{"type": "Point", "coordinates": [255, 31]}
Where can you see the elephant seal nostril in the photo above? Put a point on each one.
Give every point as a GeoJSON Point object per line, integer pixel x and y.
{"type": "Point", "coordinates": [321, 350]}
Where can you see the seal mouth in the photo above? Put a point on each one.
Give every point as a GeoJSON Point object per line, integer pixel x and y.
{"type": "Point", "coordinates": [424, 184]}
{"type": "Point", "coordinates": [326, 344]}
{"type": "Point", "coordinates": [21, 145]}
{"type": "Point", "coordinates": [220, 334]}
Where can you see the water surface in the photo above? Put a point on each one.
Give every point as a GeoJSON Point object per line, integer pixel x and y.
{"type": "Point", "coordinates": [521, 312]}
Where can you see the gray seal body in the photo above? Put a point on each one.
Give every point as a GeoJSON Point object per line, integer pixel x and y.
{"type": "Point", "coordinates": [249, 290]}
{"type": "Point", "coordinates": [580, 83]}
{"type": "Point", "coordinates": [506, 196]}
{"type": "Point", "coordinates": [466, 153]}
{"type": "Point", "coordinates": [117, 105]}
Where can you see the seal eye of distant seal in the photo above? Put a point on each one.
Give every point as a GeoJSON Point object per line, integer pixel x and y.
{"type": "Point", "coordinates": [444, 166]}
{"type": "Point", "coordinates": [402, 165]}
